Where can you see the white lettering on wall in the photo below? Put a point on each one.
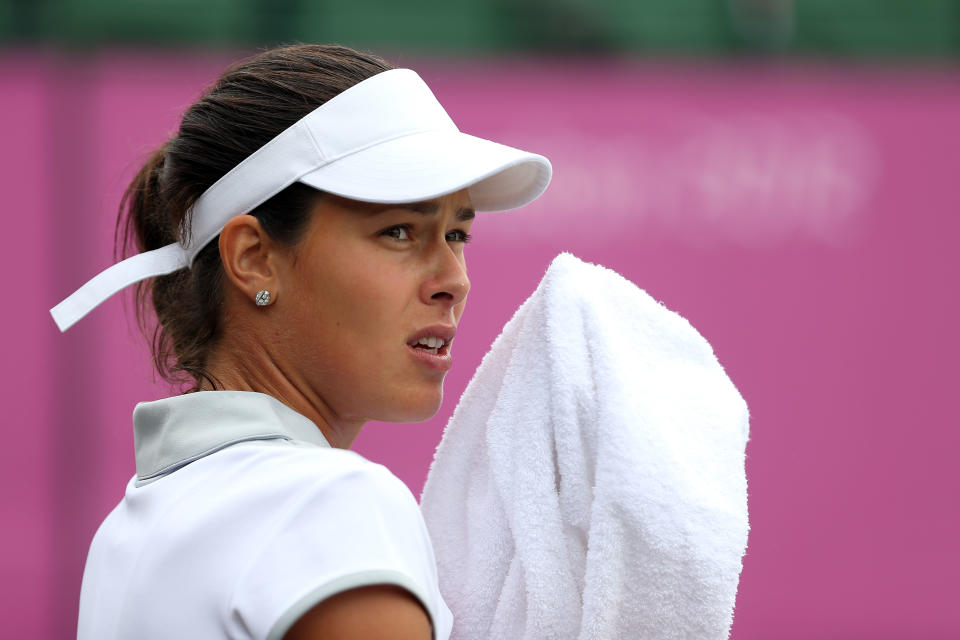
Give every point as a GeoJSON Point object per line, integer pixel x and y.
{"type": "Point", "coordinates": [753, 179]}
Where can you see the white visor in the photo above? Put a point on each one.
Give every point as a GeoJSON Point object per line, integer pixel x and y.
{"type": "Point", "coordinates": [385, 139]}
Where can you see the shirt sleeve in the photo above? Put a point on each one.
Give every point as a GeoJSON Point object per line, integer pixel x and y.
{"type": "Point", "coordinates": [360, 527]}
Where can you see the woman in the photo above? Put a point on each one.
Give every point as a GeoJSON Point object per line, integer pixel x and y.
{"type": "Point", "coordinates": [304, 232]}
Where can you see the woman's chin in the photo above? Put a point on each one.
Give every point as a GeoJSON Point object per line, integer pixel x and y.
{"type": "Point", "coordinates": [417, 406]}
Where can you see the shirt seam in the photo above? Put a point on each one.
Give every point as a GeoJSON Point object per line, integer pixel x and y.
{"type": "Point", "coordinates": [270, 534]}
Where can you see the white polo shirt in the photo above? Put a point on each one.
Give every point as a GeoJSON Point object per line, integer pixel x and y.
{"type": "Point", "coordinates": [240, 519]}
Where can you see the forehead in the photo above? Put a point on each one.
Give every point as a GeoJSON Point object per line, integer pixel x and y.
{"type": "Point", "coordinates": [457, 203]}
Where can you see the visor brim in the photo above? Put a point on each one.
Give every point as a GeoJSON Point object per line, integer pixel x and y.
{"type": "Point", "coordinates": [430, 164]}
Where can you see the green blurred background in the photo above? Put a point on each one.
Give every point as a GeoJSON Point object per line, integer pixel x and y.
{"type": "Point", "coordinates": [912, 29]}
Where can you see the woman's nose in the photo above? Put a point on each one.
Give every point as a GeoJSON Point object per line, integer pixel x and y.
{"type": "Point", "coordinates": [447, 281]}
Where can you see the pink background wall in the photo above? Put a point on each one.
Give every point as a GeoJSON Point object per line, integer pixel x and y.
{"type": "Point", "coordinates": [803, 219]}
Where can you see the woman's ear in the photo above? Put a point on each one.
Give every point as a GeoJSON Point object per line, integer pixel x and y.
{"type": "Point", "coordinates": [249, 257]}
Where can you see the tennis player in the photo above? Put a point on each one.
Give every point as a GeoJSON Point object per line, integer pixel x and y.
{"type": "Point", "coordinates": [300, 266]}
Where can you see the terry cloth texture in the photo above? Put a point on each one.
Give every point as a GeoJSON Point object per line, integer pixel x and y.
{"type": "Point", "coordinates": [591, 482]}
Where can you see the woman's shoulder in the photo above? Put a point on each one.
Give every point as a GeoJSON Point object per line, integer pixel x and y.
{"type": "Point", "coordinates": [292, 468]}
{"type": "Point", "coordinates": [282, 525]}
{"type": "Point", "coordinates": [301, 488]}
{"type": "Point", "coordinates": [335, 521]}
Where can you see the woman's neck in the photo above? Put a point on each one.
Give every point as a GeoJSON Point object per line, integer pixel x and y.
{"type": "Point", "coordinates": [256, 371]}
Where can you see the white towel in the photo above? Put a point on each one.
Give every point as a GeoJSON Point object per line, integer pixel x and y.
{"type": "Point", "coordinates": [591, 483]}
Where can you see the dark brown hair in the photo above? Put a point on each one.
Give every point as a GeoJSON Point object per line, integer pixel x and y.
{"type": "Point", "coordinates": [252, 102]}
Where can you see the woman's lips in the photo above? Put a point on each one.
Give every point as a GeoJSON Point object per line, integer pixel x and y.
{"type": "Point", "coordinates": [435, 338]}
{"type": "Point", "coordinates": [440, 361]}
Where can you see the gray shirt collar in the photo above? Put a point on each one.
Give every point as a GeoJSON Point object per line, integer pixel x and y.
{"type": "Point", "coordinates": [173, 432]}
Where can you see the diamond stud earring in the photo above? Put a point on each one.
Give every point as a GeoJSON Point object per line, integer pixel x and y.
{"type": "Point", "coordinates": [263, 298]}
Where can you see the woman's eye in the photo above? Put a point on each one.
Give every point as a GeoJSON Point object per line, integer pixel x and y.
{"type": "Point", "coordinates": [398, 232]}
{"type": "Point", "coordinates": [458, 236]}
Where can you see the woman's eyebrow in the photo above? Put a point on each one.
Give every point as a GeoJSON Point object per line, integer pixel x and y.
{"type": "Point", "coordinates": [465, 214]}
{"type": "Point", "coordinates": [429, 208]}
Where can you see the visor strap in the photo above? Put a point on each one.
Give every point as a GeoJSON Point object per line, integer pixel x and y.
{"type": "Point", "coordinates": [115, 278]}
{"type": "Point", "coordinates": [255, 180]}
